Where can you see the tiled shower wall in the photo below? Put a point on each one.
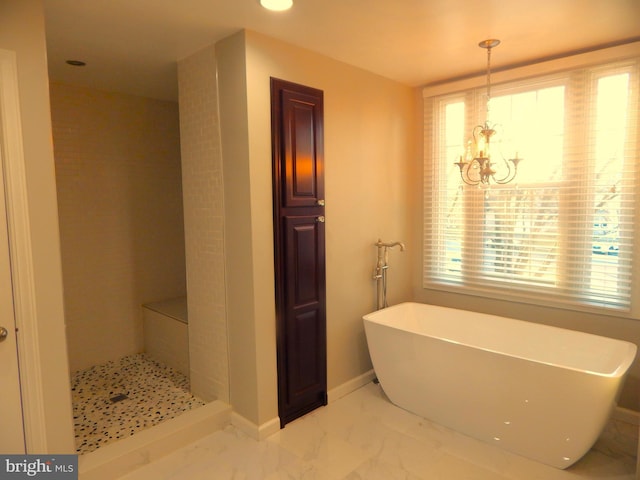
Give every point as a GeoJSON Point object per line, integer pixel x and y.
{"type": "Point", "coordinates": [204, 225]}
{"type": "Point", "coordinates": [120, 210]}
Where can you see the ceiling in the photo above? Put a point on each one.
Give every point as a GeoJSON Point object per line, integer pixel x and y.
{"type": "Point", "coordinates": [132, 46]}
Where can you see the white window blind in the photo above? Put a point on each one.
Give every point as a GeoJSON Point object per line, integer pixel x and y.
{"type": "Point", "coordinates": [562, 233]}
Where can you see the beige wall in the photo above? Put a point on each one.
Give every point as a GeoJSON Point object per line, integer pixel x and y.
{"type": "Point", "coordinates": [244, 370]}
{"type": "Point", "coordinates": [120, 207]}
{"type": "Point", "coordinates": [369, 159]}
{"type": "Point", "coordinates": [22, 31]}
{"type": "Point", "coordinates": [204, 225]}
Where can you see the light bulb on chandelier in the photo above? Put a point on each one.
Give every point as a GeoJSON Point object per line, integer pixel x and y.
{"type": "Point", "coordinates": [477, 165]}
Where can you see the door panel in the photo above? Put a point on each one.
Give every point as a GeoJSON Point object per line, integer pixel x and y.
{"type": "Point", "coordinates": [305, 371]}
{"type": "Point", "coordinates": [304, 250]}
{"type": "Point", "coordinates": [305, 325]}
{"type": "Point", "coordinates": [298, 185]}
{"type": "Point", "coordinates": [301, 156]}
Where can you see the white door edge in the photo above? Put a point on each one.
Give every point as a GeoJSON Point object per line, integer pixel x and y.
{"type": "Point", "coordinates": [21, 256]}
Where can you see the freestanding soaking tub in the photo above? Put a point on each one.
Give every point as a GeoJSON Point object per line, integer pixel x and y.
{"type": "Point", "coordinates": [542, 392]}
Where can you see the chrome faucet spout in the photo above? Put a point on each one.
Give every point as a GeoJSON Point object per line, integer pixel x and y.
{"type": "Point", "coordinates": [390, 245]}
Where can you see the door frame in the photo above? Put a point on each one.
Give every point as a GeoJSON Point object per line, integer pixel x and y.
{"type": "Point", "coordinates": [21, 257]}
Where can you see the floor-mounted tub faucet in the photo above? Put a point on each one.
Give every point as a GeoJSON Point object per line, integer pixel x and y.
{"type": "Point", "coordinates": [380, 272]}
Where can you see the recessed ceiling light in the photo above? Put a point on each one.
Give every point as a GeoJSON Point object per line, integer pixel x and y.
{"type": "Point", "coordinates": [277, 5]}
{"type": "Point", "coordinates": [76, 63]}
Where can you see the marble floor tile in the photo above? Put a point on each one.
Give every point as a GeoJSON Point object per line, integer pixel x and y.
{"type": "Point", "coordinates": [363, 436]}
{"type": "Point", "coordinates": [325, 452]}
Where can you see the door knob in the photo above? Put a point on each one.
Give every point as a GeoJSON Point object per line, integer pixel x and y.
{"type": "Point", "coordinates": [320, 203]}
{"type": "Point", "coordinates": [320, 218]}
{"type": "Point", "coordinates": [3, 333]}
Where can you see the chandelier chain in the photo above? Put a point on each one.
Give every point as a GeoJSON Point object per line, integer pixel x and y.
{"type": "Point", "coordinates": [488, 76]}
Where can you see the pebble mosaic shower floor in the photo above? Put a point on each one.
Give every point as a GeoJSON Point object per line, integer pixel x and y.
{"type": "Point", "coordinates": [117, 399]}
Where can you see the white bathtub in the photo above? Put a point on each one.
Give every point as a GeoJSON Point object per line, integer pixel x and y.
{"type": "Point", "coordinates": [542, 392]}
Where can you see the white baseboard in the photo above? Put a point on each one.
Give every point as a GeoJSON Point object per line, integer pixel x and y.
{"type": "Point", "coordinates": [257, 432]}
{"type": "Point", "coordinates": [626, 415]}
{"type": "Point", "coordinates": [260, 432]}
{"type": "Point", "coordinates": [350, 386]}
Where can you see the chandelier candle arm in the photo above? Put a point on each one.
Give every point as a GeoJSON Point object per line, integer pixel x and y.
{"type": "Point", "coordinates": [478, 166]}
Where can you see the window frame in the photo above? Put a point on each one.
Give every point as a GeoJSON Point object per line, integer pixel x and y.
{"type": "Point", "coordinates": [594, 64]}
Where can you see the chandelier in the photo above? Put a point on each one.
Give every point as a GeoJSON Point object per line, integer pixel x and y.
{"type": "Point", "coordinates": [477, 166]}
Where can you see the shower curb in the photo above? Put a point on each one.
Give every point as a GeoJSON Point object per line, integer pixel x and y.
{"type": "Point", "coordinates": [124, 456]}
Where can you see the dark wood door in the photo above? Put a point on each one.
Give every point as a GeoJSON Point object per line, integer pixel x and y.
{"type": "Point", "coordinates": [299, 229]}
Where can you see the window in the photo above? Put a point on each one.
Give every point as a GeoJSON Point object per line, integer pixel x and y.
{"type": "Point", "coordinates": [562, 233]}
